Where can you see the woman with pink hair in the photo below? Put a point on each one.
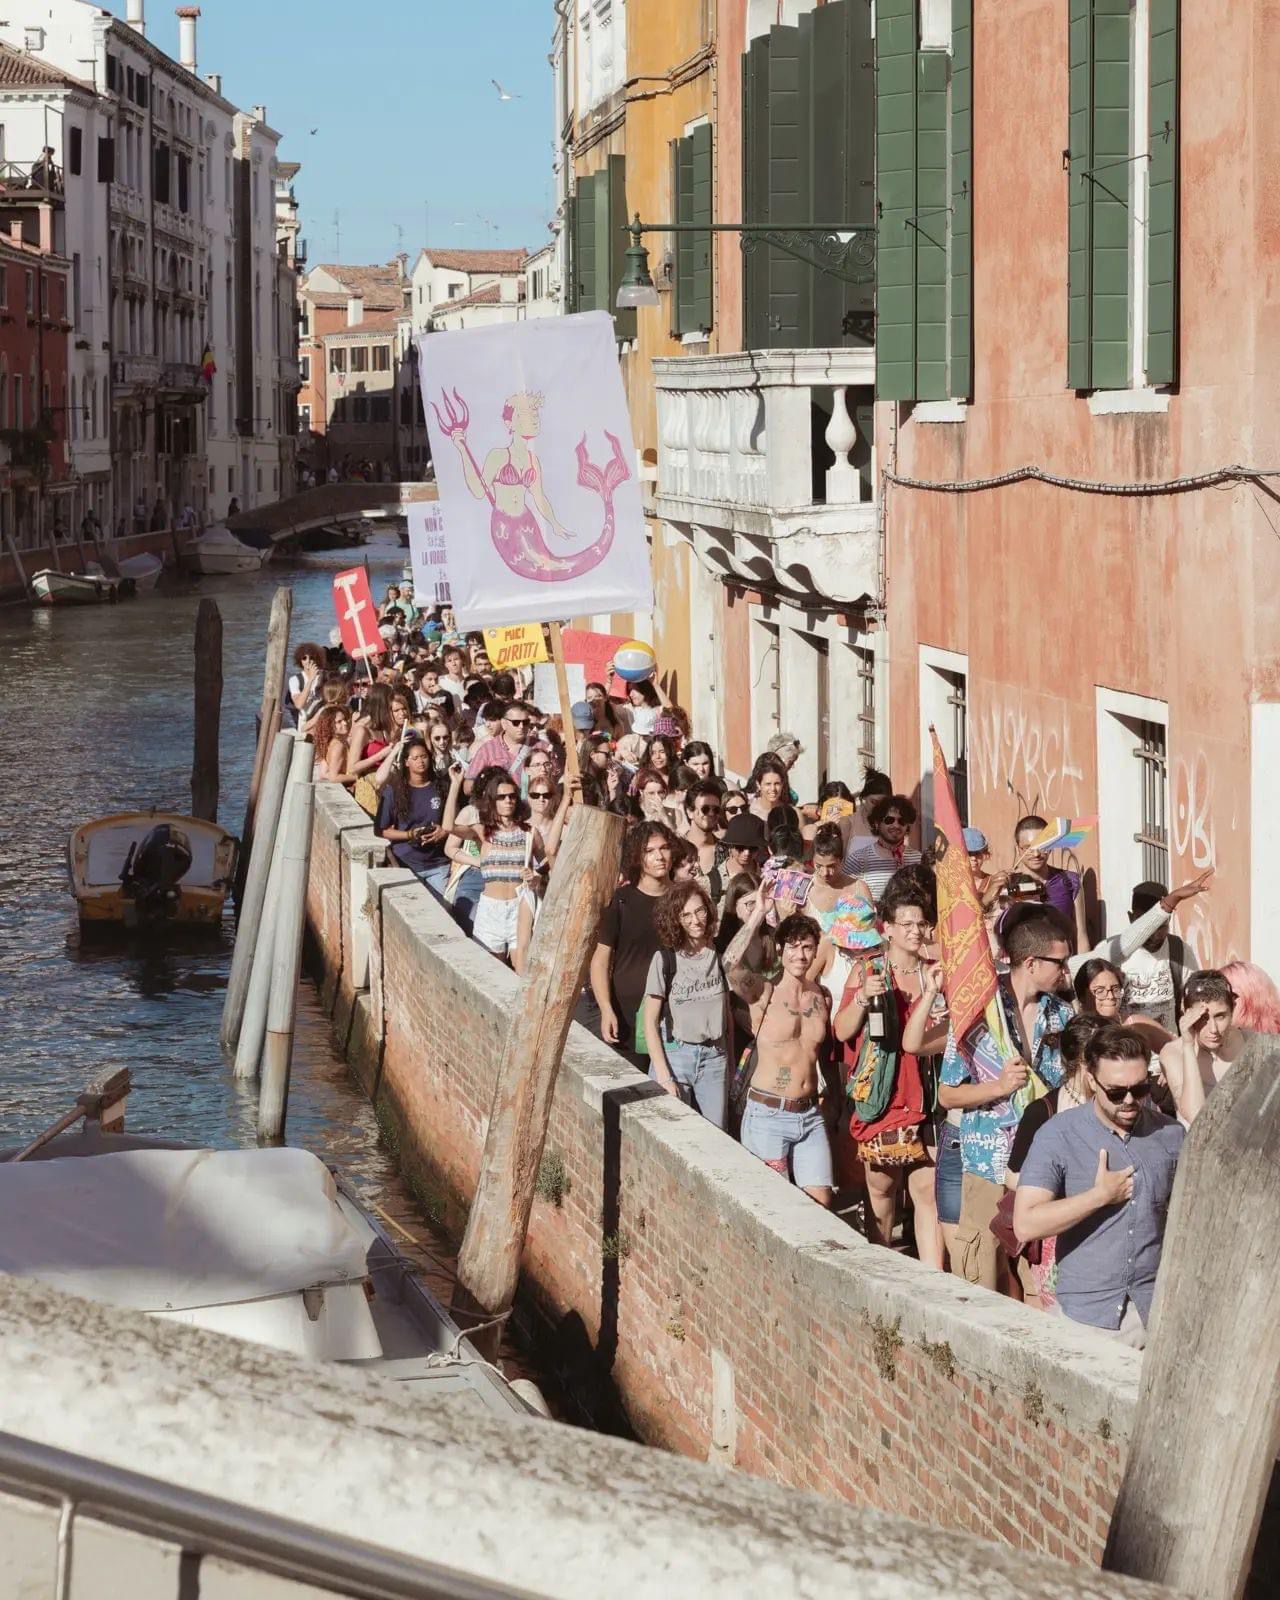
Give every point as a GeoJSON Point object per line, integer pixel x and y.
{"type": "Point", "coordinates": [1257, 998]}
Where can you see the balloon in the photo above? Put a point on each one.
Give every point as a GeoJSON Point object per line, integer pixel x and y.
{"type": "Point", "coordinates": [635, 661]}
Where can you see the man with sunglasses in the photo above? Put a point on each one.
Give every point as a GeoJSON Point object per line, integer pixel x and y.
{"type": "Point", "coordinates": [1099, 1177]}
{"type": "Point", "coordinates": [991, 1093]}
{"type": "Point", "coordinates": [508, 748]}
{"type": "Point", "coordinates": [702, 802]}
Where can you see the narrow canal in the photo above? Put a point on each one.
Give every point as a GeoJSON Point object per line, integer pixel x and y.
{"type": "Point", "coordinates": [96, 704]}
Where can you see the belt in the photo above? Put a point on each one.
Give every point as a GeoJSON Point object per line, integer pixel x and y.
{"type": "Point", "coordinates": [776, 1102]}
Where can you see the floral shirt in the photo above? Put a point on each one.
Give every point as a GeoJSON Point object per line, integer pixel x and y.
{"type": "Point", "coordinates": [986, 1132]}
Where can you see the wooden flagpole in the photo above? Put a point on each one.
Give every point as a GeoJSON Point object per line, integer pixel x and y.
{"type": "Point", "coordinates": [572, 771]}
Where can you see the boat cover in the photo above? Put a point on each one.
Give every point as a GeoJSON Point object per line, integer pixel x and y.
{"type": "Point", "coordinates": [109, 843]}
{"type": "Point", "coordinates": [172, 1230]}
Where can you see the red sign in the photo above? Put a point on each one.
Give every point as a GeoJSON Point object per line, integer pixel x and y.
{"type": "Point", "coordinates": [594, 652]}
{"type": "Point", "coordinates": [357, 614]}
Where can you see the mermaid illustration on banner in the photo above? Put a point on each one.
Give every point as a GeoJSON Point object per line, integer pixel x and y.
{"type": "Point", "coordinates": [511, 481]}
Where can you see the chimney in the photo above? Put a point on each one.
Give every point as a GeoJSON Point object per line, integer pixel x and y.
{"type": "Point", "coordinates": [214, 80]}
{"type": "Point", "coordinates": [187, 36]}
{"type": "Point", "coordinates": [137, 17]}
{"type": "Point", "coordinates": [260, 112]}
{"type": "Point", "coordinates": [355, 310]}
{"type": "Point", "coordinates": [15, 230]}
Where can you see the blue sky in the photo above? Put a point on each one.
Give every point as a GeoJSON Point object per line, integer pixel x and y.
{"type": "Point", "coordinates": [410, 132]}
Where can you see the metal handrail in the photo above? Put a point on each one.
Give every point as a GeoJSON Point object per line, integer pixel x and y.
{"type": "Point", "coordinates": [204, 1525]}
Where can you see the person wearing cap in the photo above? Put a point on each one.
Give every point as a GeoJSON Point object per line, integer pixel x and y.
{"type": "Point", "coordinates": [583, 717]}
{"type": "Point", "coordinates": [988, 884]}
{"type": "Point", "coordinates": [744, 845]}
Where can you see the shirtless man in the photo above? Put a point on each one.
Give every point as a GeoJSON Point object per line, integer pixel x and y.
{"type": "Point", "coordinates": [1208, 1043]}
{"type": "Point", "coordinates": [783, 1122]}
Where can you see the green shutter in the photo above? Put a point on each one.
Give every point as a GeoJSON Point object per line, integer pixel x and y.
{"type": "Point", "coordinates": [682, 170]}
{"type": "Point", "coordinates": [571, 252]}
{"type": "Point", "coordinates": [755, 190]}
{"type": "Point", "coordinates": [1162, 214]}
{"type": "Point", "coordinates": [1112, 177]}
{"type": "Point", "coordinates": [841, 132]}
{"type": "Point", "coordinates": [585, 242]}
{"type": "Point", "coordinates": [617, 240]}
{"type": "Point", "coordinates": [896, 199]}
{"type": "Point", "coordinates": [790, 281]}
{"type": "Point", "coordinates": [1079, 205]}
{"type": "Point", "coordinates": [961, 374]}
{"type": "Point", "coordinates": [933, 196]}
{"type": "Point", "coordinates": [1101, 177]}
{"type": "Point", "coordinates": [702, 192]}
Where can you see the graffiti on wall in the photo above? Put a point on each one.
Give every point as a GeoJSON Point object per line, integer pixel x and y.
{"type": "Point", "coordinates": [1026, 751]}
{"type": "Point", "coordinates": [1208, 923]}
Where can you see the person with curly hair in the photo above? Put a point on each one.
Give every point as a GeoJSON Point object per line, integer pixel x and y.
{"type": "Point", "coordinates": [410, 808]}
{"type": "Point", "coordinates": [627, 939]}
{"type": "Point", "coordinates": [876, 860]}
{"type": "Point", "coordinates": [686, 1007]}
{"type": "Point", "coordinates": [329, 733]}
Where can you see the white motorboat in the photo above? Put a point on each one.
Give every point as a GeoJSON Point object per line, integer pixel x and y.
{"type": "Point", "coordinates": [87, 588]}
{"type": "Point", "coordinates": [266, 1245]}
{"type": "Point", "coordinates": [218, 551]}
{"type": "Point", "coordinates": [140, 574]}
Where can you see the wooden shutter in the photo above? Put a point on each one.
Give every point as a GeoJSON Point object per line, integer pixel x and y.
{"type": "Point", "coordinates": [961, 371]}
{"type": "Point", "coordinates": [571, 252]}
{"type": "Point", "coordinates": [1161, 360]}
{"type": "Point", "coordinates": [1112, 209]}
{"type": "Point", "coordinates": [896, 198]}
{"type": "Point", "coordinates": [841, 131]}
{"type": "Point", "coordinates": [790, 281]}
{"type": "Point", "coordinates": [1079, 206]}
{"type": "Point", "coordinates": [933, 197]}
{"type": "Point", "coordinates": [700, 140]}
{"type": "Point", "coordinates": [615, 247]}
{"type": "Point", "coordinates": [755, 190]}
{"type": "Point", "coordinates": [585, 251]}
{"type": "Point", "coordinates": [683, 251]}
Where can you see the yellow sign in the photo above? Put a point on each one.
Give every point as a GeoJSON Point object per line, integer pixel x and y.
{"type": "Point", "coordinates": [522, 645]}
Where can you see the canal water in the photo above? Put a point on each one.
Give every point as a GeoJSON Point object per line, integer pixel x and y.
{"type": "Point", "coordinates": [96, 708]}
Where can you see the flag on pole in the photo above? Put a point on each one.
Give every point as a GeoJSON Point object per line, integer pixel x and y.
{"type": "Point", "coordinates": [1063, 833]}
{"type": "Point", "coordinates": [968, 967]}
{"type": "Point", "coordinates": [208, 366]}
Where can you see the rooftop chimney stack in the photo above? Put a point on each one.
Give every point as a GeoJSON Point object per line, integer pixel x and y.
{"type": "Point", "coordinates": [187, 36]}
{"type": "Point", "coordinates": [260, 112]}
{"type": "Point", "coordinates": [214, 80]}
{"type": "Point", "coordinates": [137, 17]}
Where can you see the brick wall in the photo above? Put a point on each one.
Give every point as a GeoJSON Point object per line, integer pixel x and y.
{"type": "Point", "coordinates": [724, 1312]}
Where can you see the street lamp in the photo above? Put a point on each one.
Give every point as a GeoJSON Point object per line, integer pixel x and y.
{"type": "Point", "coordinates": [837, 250]}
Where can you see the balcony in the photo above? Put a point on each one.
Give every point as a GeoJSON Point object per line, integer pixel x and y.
{"type": "Point", "coordinates": [181, 380]}
{"type": "Point", "coordinates": [766, 469]}
{"type": "Point", "coordinates": [135, 372]}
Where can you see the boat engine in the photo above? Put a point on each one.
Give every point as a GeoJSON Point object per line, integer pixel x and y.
{"type": "Point", "coordinates": [153, 870]}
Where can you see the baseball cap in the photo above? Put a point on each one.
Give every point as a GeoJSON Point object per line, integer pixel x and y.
{"type": "Point", "coordinates": [975, 841]}
{"type": "Point", "coordinates": [582, 716]}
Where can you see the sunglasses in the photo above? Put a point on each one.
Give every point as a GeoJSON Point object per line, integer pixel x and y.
{"type": "Point", "coordinates": [706, 811]}
{"type": "Point", "coordinates": [734, 811]}
{"type": "Point", "coordinates": [518, 722]}
{"type": "Point", "coordinates": [507, 794]}
{"type": "Point", "coordinates": [1119, 1093]}
{"type": "Point", "coordinates": [539, 794]}
{"type": "Point", "coordinates": [892, 822]}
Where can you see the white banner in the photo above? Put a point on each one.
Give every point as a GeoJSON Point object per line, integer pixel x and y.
{"type": "Point", "coordinates": [546, 692]}
{"type": "Point", "coordinates": [536, 471]}
{"type": "Point", "coordinates": [427, 553]}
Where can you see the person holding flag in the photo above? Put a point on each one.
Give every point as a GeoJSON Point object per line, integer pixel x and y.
{"type": "Point", "coordinates": [1004, 1046]}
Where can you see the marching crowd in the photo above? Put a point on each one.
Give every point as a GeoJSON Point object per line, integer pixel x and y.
{"type": "Point", "coordinates": [771, 959]}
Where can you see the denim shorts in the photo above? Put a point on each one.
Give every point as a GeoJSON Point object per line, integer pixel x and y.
{"type": "Point", "coordinates": [949, 1173]}
{"type": "Point", "coordinates": [699, 1069]}
{"type": "Point", "coordinates": [794, 1143]}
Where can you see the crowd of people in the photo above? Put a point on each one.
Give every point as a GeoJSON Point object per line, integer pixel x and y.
{"type": "Point", "coordinates": [771, 959]}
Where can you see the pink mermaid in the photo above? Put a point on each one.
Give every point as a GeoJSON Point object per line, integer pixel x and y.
{"type": "Point", "coordinates": [511, 477]}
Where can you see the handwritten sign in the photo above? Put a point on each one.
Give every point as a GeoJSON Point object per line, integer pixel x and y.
{"type": "Point", "coordinates": [522, 645]}
{"type": "Point", "coordinates": [427, 552]}
{"type": "Point", "coordinates": [357, 614]}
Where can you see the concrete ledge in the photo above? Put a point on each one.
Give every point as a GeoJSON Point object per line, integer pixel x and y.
{"type": "Point", "coordinates": [553, 1509]}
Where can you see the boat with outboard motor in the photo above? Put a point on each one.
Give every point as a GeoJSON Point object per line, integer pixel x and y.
{"type": "Point", "coordinates": [151, 869]}
{"type": "Point", "coordinates": [91, 587]}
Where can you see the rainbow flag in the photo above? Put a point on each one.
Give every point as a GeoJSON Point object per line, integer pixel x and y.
{"type": "Point", "coordinates": [1064, 833]}
{"type": "Point", "coordinates": [968, 967]}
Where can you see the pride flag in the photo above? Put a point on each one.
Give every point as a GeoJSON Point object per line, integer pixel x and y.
{"type": "Point", "coordinates": [1063, 833]}
{"type": "Point", "coordinates": [968, 967]}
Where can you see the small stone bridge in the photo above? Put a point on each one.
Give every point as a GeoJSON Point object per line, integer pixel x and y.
{"type": "Point", "coordinates": [329, 502]}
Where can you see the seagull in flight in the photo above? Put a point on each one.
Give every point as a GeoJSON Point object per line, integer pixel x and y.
{"type": "Point", "coordinates": [503, 94]}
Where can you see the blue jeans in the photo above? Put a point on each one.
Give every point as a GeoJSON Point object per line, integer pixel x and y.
{"type": "Point", "coordinates": [436, 878]}
{"type": "Point", "coordinates": [466, 897]}
{"type": "Point", "coordinates": [699, 1068]}
{"type": "Point", "coordinates": [793, 1143]}
{"type": "Point", "coordinates": [949, 1173]}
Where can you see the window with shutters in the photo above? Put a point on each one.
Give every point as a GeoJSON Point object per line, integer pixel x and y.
{"type": "Point", "coordinates": [924, 192]}
{"type": "Point", "coordinates": [808, 150]}
{"type": "Point", "coordinates": [1123, 198]}
{"type": "Point", "coordinates": [599, 243]}
{"type": "Point", "coordinates": [691, 203]}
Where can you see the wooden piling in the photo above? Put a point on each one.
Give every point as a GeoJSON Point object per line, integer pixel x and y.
{"type": "Point", "coordinates": [273, 681]}
{"type": "Point", "coordinates": [584, 880]}
{"type": "Point", "coordinates": [1207, 1429]}
{"type": "Point", "coordinates": [286, 966]}
{"type": "Point", "coordinates": [17, 559]}
{"type": "Point", "coordinates": [208, 712]}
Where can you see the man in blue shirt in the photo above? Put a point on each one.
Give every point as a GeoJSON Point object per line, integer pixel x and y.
{"type": "Point", "coordinates": [993, 1093]}
{"type": "Point", "coordinates": [1099, 1177]}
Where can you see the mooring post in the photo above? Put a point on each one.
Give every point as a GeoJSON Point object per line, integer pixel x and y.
{"type": "Point", "coordinates": [286, 965]}
{"type": "Point", "coordinates": [582, 883]}
{"type": "Point", "coordinates": [250, 920]}
{"type": "Point", "coordinates": [273, 680]}
{"type": "Point", "coordinates": [253, 1021]}
{"type": "Point", "coordinates": [1204, 1442]}
{"type": "Point", "coordinates": [208, 712]}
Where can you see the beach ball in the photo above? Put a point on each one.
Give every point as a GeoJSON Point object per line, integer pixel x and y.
{"type": "Point", "coordinates": [635, 661]}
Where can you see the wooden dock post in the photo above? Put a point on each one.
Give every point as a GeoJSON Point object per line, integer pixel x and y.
{"type": "Point", "coordinates": [286, 964]}
{"type": "Point", "coordinates": [273, 681]}
{"type": "Point", "coordinates": [17, 559]}
{"type": "Point", "coordinates": [208, 712]}
{"type": "Point", "coordinates": [584, 879]}
{"type": "Point", "coordinates": [1204, 1442]}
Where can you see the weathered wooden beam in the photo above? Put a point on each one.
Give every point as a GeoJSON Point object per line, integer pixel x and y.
{"type": "Point", "coordinates": [208, 712]}
{"type": "Point", "coordinates": [582, 882]}
{"type": "Point", "coordinates": [273, 681]}
{"type": "Point", "coordinates": [1204, 1441]}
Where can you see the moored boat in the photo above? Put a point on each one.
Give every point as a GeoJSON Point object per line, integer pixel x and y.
{"type": "Point", "coordinates": [52, 588]}
{"type": "Point", "coordinates": [140, 574]}
{"type": "Point", "coordinates": [147, 869]}
{"type": "Point", "coordinates": [217, 551]}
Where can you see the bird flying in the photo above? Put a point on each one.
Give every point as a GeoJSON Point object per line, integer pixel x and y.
{"type": "Point", "coordinates": [503, 94]}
